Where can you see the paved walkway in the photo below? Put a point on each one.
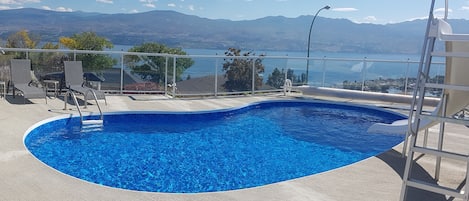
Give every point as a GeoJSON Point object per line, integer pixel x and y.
{"type": "Point", "coordinates": [22, 177]}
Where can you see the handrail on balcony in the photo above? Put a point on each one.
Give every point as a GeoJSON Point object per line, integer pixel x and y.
{"type": "Point", "coordinates": [327, 63]}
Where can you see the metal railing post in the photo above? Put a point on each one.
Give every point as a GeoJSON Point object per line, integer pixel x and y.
{"type": "Point", "coordinates": [174, 77]}
{"type": "Point", "coordinates": [364, 74]}
{"type": "Point", "coordinates": [216, 77]}
{"type": "Point", "coordinates": [122, 74]}
{"type": "Point", "coordinates": [166, 76]}
{"type": "Point", "coordinates": [406, 76]}
{"type": "Point", "coordinates": [324, 71]}
{"type": "Point", "coordinates": [253, 77]}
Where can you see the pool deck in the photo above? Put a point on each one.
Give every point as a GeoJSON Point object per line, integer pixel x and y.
{"type": "Point", "coordinates": [23, 177]}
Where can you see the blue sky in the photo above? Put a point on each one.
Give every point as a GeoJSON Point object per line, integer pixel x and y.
{"type": "Point", "coordinates": [360, 11]}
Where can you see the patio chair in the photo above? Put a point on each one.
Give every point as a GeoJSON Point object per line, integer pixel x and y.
{"type": "Point", "coordinates": [74, 81]}
{"type": "Point", "coordinates": [21, 80]}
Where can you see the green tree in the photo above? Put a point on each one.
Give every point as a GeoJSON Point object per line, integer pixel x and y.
{"type": "Point", "coordinates": [239, 70]}
{"type": "Point", "coordinates": [42, 61]}
{"type": "Point", "coordinates": [90, 41]}
{"type": "Point", "coordinates": [277, 78]}
{"type": "Point", "coordinates": [48, 61]}
{"type": "Point", "coordinates": [22, 39]}
{"type": "Point", "coordinates": [351, 85]}
{"type": "Point", "coordinates": [153, 68]}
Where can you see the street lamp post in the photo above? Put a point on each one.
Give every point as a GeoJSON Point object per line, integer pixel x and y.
{"type": "Point", "coordinates": [309, 40]}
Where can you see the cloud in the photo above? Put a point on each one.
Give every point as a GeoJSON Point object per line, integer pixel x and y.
{"type": "Point", "coordinates": [60, 9]}
{"type": "Point", "coordinates": [4, 8]}
{"type": "Point", "coordinates": [63, 9]}
{"type": "Point", "coordinates": [344, 9]}
{"type": "Point", "coordinates": [171, 5]}
{"type": "Point", "coordinates": [417, 18]}
{"type": "Point", "coordinates": [148, 3]}
{"type": "Point", "coordinates": [465, 8]}
{"type": "Point", "coordinates": [442, 10]}
{"type": "Point", "coordinates": [134, 11]}
{"type": "Point", "coordinates": [370, 19]}
{"type": "Point", "coordinates": [105, 1]}
{"type": "Point", "coordinates": [18, 2]}
{"type": "Point", "coordinates": [191, 7]}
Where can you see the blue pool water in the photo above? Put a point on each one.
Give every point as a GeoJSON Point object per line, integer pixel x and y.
{"type": "Point", "coordinates": [259, 144]}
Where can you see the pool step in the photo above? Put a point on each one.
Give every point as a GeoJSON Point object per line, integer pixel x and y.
{"type": "Point", "coordinates": [92, 125]}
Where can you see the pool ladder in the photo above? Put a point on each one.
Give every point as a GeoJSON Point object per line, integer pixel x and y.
{"type": "Point", "coordinates": [455, 90]}
{"type": "Point", "coordinates": [89, 124]}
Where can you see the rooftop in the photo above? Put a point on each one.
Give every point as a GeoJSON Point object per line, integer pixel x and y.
{"type": "Point", "coordinates": [23, 177]}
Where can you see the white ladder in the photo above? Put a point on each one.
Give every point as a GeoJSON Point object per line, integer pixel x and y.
{"type": "Point", "coordinates": [453, 89]}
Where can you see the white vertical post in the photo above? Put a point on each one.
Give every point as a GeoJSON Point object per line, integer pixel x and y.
{"type": "Point", "coordinates": [174, 76]}
{"type": "Point", "coordinates": [364, 74]}
{"type": "Point", "coordinates": [122, 74]}
{"type": "Point", "coordinates": [216, 77]}
{"type": "Point", "coordinates": [406, 76]}
{"type": "Point", "coordinates": [253, 76]}
{"type": "Point", "coordinates": [446, 9]}
{"type": "Point", "coordinates": [324, 71]}
{"type": "Point", "coordinates": [285, 81]}
{"type": "Point", "coordinates": [166, 76]}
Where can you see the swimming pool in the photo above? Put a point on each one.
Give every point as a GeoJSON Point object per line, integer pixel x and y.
{"type": "Point", "coordinates": [207, 151]}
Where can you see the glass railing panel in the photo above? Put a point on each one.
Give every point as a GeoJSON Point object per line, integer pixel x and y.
{"type": "Point", "coordinates": [386, 76]}
{"type": "Point", "coordinates": [5, 67]}
{"type": "Point", "coordinates": [47, 66]}
{"type": "Point", "coordinates": [337, 73]}
{"type": "Point", "coordinates": [111, 75]}
{"type": "Point", "coordinates": [296, 71]}
{"type": "Point", "coordinates": [274, 73]}
{"type": "Point", "coordinates": [144, 73]}
{"type": "Point", "coordinates": [204, 76]}
{"type": "Point", "coordinates": [437, 76]}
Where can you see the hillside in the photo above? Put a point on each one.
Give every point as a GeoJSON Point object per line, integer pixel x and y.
{"type": "Point", "coordinates": [186, 31]}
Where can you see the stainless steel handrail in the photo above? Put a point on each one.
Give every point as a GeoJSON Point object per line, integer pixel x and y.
{"type": "Point", "coordinates": [74, 97]}
{"type": "Point", "coordinates": [95, 99]}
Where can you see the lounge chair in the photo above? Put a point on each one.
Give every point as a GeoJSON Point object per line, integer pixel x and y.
{"type": "Point", "coordinates": [75, 82]}
{"type": "Point", "coordinates": [21, 79]}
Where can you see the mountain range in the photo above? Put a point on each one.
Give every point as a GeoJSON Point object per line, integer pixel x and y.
{"type": "Point", "coordinates": [187, 31]}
